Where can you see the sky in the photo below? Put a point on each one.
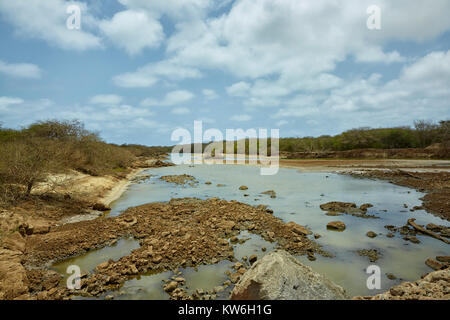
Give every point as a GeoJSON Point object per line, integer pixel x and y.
{"type": "Point", "coordinates": [136, 70]}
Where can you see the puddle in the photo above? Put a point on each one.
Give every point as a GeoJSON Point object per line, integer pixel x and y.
{"type": "Point", "coordinates": [90, 260]}
{"type": "Point", "coordinates": [150, 286]}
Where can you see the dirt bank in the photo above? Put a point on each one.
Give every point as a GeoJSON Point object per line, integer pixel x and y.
{"type": "Point", "coordinates": [408, 153]}
{"type": "Point", "coordinates": [337, 165]}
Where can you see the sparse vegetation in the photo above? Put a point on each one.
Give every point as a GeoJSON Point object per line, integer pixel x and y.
{"type": "Point", "coordinates": [422, 135]}
{"type": "Point", "coordinates": [27, 156]}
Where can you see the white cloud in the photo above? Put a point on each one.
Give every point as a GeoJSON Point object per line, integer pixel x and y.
{"type": "Point", "coordinates": [421, 91]}
{"type": "Point", "coordinates": [20, 70]}
{"type": "Point", "coordinates": [152, 73]}
{"type": "Point", "coordinates": [433, 67]}
{"type": "Point", "coordinates": [5, 102]}
{"type": "Point", "coordinates": [240, 89]}
{"type": "Point", "coordinates": [181, 111]}
{"type": "Point", "coordinates": [133, 31]}
{"type": "Point", "coordinates": [106, 99]}
{"type": "Point", "coordinates": [241, 117]}
{"type": "Point", "coordinates": [281, 123]}
{"type": "Point", "coordinates": [375, 54]}
{"type": "Point", "coordinates": [171, 99]}
{"type": "Point", "coordinates": [46, 20]}
{"type": "Point", "coordinates": [175, 9]}
{"type": "Point", "coordinates": [284, 47]}
{"type": "Point", "coordinates": [210, 94]}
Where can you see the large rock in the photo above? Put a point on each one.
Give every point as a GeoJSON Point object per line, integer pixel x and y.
{"type": "Point", "coordinates": [13, 278]}
{"type": "Point", "coordinates": [433, 286]}
{"type": "Point", "coordinates": [279, 276]}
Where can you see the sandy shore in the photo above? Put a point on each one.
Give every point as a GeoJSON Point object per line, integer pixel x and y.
{"type": "Point", "coordinates": [120, 187]}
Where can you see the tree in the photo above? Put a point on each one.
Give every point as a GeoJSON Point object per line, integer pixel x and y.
{"type": "Point", "coordinates": [425, 131]}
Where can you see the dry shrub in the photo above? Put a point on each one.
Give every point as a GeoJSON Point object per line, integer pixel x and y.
{"type": "Point", "coordinates": [27, 156]}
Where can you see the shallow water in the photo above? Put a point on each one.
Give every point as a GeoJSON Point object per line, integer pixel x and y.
{"type": "Point", "coordinates": [90, 260]}
{"type": "Point", "coordinates": [299, 196]}
{"type": "Point", "coordinates": [150, 286]}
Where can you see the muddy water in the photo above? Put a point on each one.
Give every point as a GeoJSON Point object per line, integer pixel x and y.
{"type": "Point", "coordinates": [90, 260]}
{"type": "Point", "coordinates": [299, 196]}
{"type": "Point", "coordinates": [150, 286]}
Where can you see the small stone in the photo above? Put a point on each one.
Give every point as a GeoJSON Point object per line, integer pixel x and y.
{"type": "Point", "coordinates": [218, 289]}
{"type": "Point", "coordinates": [371, 234]}
{"type": "Point", "coordinates": [200, 292]}
{"type": "Point", "coordinates": [243, 188]}
{"type": "Point", "coordinates": [171, 286]}
{"type": "Point", "coordinates": [396, 291]}
{"type": "Point", "coordinates": [242, 271]}
{"type": "Point", "coordinates": [366, 206]}
{"type": "Point", "coordinates": [412, 239]}
{"type": "Point", "coordinates": [133, 269]}
{"type": "Point", "coordinates": [253, 258]}
{"type": "Point", "coordinates": [109, 297]}
{"type": "Point", "coordinates": [390, 276]}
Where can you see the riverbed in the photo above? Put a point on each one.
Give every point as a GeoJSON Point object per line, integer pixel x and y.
{"type": "Point", "coordinates": [298, 198]}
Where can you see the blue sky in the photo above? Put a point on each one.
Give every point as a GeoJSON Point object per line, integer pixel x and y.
{"type": "Point", "coordinates": [137, 69]}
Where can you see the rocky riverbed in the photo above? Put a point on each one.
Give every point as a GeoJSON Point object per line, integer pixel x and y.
{"type": "Point", "coordinates": [183, 232]}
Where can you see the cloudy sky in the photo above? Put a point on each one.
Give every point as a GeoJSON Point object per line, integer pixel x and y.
{"type": "Point", "coordinates": [138, 69]}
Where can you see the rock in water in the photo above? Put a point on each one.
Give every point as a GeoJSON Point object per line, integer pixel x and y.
{"type": "Point", "coordinates": [279, 276]}
{"type": "Point", "coordinates": [371, 234]}
{"type": "Point", "coordinates": [336, 225]}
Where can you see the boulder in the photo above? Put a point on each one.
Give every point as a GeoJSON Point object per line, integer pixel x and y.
{"type": "Point", "coordinates": [279, 276]}
{"type": "Point", "coordinates": [13, 277]}
{"type": "Point", "coordinates": [336, 225]}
